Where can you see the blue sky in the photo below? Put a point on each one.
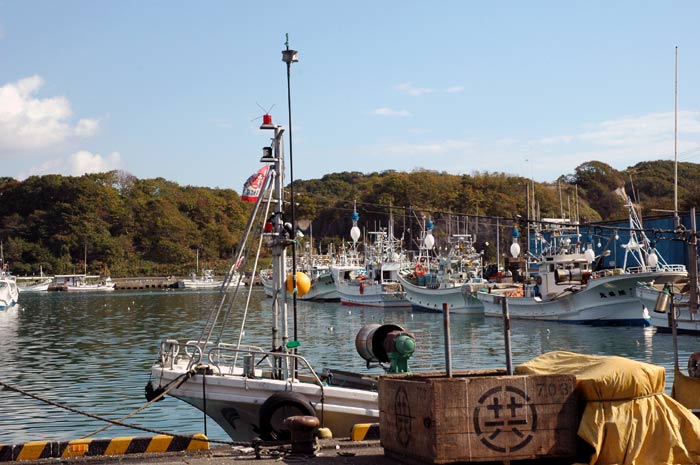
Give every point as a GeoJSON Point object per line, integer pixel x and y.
{"type": "Point", "coordinates": [171, 88]}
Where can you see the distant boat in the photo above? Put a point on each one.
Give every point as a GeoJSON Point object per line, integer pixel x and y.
{"type": "Point", "coordinates": [39, 283]}
{"type": "Point", "coordinates": [377, 285]}
{"type": "Point", "coordinates": [452, 279]}
{"type": "Point", "coordinates": [206, 281]}
{"type": "Point", "coordinates": [82, 283]}
{"type": "Point", "coordinates": [322, 288]}
{"type": "Point", "coordinates": [9, 293]}
{"type": "Point", "coordinates": [34, 284]}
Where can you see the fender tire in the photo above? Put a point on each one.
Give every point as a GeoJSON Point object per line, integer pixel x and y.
{"type": "Point", "coordinates": [277, 408]}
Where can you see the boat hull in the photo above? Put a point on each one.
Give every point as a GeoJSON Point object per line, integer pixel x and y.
{"type": "Point", "coordinates": [235, 402]}
{"type": "Point", "coordinates": [369, 294]}
{"type": "Point", "coordinates": [687, 322]}
{"type": "Point", "coordinates": [323, 288]}
{"type": "Point", "coordinates": [608, 300]}
{"type": "Point", "coordinates": [461, 299]}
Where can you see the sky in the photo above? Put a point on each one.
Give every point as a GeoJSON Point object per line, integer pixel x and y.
{"type": "Point", "coordinates": [176, 89]}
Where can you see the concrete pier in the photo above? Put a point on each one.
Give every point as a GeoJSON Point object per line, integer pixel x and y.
{"type": "Point", "coordinates": [146, 283]}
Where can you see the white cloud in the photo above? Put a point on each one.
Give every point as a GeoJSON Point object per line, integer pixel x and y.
{"type": "Point", "coordinates": [77, 164]}
{"type": "Point", "coordinates": [87, 127]}
{"type": "Point", "coordinates": [411, 90]}
{"type": "Point", "coordinates": [631, 131]}
{"type": "Point", "coordinates": [29, 123]}
{"type": "Point", "coordinates": [384, 111]}
{"type": "Point", "coordinates": [449, 146]}
{"type": "Point", "coordinates": [454, 89]}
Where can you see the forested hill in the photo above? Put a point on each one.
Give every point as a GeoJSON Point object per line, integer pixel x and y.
{"type": "Point", "coordinates": [132, 227]}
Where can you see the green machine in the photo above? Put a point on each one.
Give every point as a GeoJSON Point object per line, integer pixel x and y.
{"type": "Point", "coordinates": [386, 344]}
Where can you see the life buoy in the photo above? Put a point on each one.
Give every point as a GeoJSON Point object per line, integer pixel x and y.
{"type": "Point", "coordinates": [278, 407]}
{"type": "Point", "coordinates": [694, 365]}
{"type": "Point", "coordinates": [419, 270]}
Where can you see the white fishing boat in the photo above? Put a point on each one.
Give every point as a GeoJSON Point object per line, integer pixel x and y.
{"type": "Point", "coordinates": [207, 280]}
{"type": "Point", "coordinates": [82, 283]}
{"type": "Point", "coordinates": [684, 295]}
{"type": "Point", "coordinates": [452, 279]}
{"type": "Point", "coordinates": [249, 390]}
{"type": "Point", "coordinates": [568, 289]}
{"type": "Point", "coordinates": [318, 268]}
{"type": "Point", "coordinates": [34, 283]}
{"type": "Point", "coordinates": [9, 292]}
{"type": "Point", "coordinates": [377, 285]}
{"type": "Point", "coordinates": [687, 318]}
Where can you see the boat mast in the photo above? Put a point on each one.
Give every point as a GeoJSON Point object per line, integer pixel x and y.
{"type": "Point", "coordinates": [279, 241]}
{"type": "Point", "coordinates": [675, 146]}
{"type": "Point", "coordinates": [290, 56]}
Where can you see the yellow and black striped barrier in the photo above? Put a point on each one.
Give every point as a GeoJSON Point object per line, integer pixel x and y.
{"type": "Point", "coordinates": [95, 447]}
{"type": "Point", "coordinates": [364, 431]}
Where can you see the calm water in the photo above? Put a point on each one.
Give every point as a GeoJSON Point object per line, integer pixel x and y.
{"type": "Point", "coordinates": [92, 352]}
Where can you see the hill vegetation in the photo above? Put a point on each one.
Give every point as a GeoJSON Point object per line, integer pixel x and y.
{"type": "Point", "coordinates": [115, 224]}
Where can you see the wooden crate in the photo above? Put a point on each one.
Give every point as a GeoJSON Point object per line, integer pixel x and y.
{"type": "Point", "coordinates": [477, 416]}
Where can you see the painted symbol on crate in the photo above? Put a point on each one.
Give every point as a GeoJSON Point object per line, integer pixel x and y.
{"type": "Point", "coordinates": [504, 420]}
{"type": "Point", "coordinates": [403, 416]}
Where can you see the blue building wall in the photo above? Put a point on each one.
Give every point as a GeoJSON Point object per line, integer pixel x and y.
{"type": "Point", "coordinates": [673, 247]}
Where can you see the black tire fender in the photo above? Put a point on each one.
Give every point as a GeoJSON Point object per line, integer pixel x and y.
{"type": "Point", "coordinates": [277, 408]}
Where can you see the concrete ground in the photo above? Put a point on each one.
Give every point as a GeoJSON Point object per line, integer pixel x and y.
{"type": "Point", "coordinates": [329, 452]}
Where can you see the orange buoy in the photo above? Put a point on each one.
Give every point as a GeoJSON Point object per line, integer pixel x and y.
{"type": "Point", "coordinates": [303, 283]}
{"type": "Point", "coordinates": [419, 270]}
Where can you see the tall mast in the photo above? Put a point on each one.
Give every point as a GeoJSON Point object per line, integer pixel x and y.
{"type": "Point", "coordinates": [675, 145]}
{"type": "Point", "coordinates": [290, 56]}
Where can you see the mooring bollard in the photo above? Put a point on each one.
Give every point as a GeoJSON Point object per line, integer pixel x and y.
{"type": "Point", "coordinates": [303, 429]}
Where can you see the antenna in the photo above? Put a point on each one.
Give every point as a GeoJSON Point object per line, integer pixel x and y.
{"type": "Point", "coordinates": [266, 112]}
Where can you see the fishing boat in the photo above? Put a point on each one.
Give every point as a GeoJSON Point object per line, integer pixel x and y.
{"type": "Point", "coordinates": [9, 292]}
{"type": "Point", "coordinates": [567, 288]}
{"type": "Point", "coordinates": [687, 318]}
{"type": "Point", "coordinates": [377, 284]}
{"type": "Point", "coordinates": [452, 279]}
{"type": "Point", "coordinates": [34, 283]}
{"type": "Point", "coordinates": [82, 283]}
{"type": "Point", "coordinates": [207, 280]}
{"type": "Point", "coordinates": [683, 295]}
{"type": "Point", "coordinates": [318, 268]}
{"type": "Point", "coordinates": [249, 390]}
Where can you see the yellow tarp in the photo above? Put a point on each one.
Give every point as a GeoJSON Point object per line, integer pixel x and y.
{"type": "Point", "coordinates": [627, 419]}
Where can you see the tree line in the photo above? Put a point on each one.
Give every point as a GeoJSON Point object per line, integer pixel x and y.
{"type": "Point", "coordinates": [116, 224]}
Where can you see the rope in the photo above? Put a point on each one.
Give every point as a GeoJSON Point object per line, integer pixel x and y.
{"type": "Point", "coordinates": [116, 422]}
{"type": "Point", "coordinates": [168, 387]}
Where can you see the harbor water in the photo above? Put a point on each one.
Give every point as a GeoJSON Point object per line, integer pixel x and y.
{"type": "Point", "coordinates": [93, 352]}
